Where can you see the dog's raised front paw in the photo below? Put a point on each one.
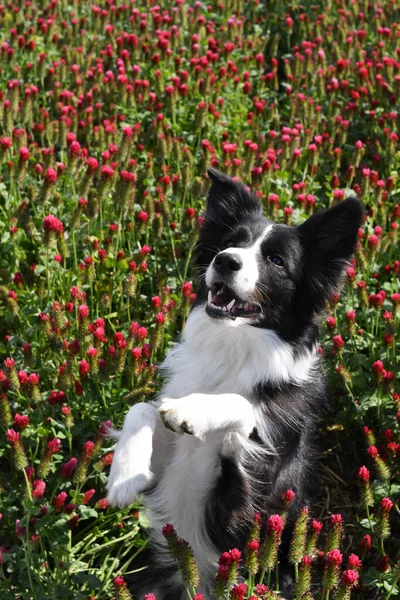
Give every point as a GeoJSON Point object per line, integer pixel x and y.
{"type": "Point", "coordinates": [175, 422]}
{"type": "Point", "coordinates": [181, 417]}
{"type": "Point", "coordinates": [202, 414]}
{"type": "Point", "coordinates": [122, 493]}
{"type": "Point", "coordinates": [131, 473]}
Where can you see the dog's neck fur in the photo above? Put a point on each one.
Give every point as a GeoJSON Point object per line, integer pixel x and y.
{"type": "Point", "coordinates": [220, 357]}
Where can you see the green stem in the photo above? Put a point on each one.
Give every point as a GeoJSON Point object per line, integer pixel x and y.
{"type": "Point", "coordinates": [74, 249]}
{"type": "Point", "coordinates": [132, 557]}
{"type": "Point", "coordinates": [83, 535]}
{"type": "Point", "coordinates": [26, 543]}
{"type": "Point", "coordinates": [261, 579]}
{"type": "Point", "coordinates": [390, 592]}
{"type": "Point", "coordinates": [369, 518]}
{"type": "Point", "coordinates": [69, 436]}
{"type": "Point", "coordinates": [171, 237]}
{"type": "Point", "coordinates": [47, 273]}
{"type": "Point", "coordinates": [186, 266]}
{"type": "Point", "coordinates": [110, 543]}
{"type": "Point", "coordinates": [269, 578]}
{"type": "Point", "coordinates": [250, 584]}
{"type": "Point", "coordinates": [28, 562]}
{"type": "Point", "coordinates": [188, 593]}
{"type": "Point", "coordinates": [28, 485]}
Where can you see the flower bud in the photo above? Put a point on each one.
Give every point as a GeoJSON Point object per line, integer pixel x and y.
{"type": "Point", "coordinates": [312, 538]}
{"type": "Point", "coordinates": [366, 493]}
{"type": "Point", "coordinates": [20, 460]}
{"type": "Point", "coordinates": [298, 541]}
{"type": "Point", "coordinates": [331, 573]}
{"type": "Point", "coordinates": [304, 578]}
{"type": "Point", "coordinates": [269, 552]}
{"type": "Point", "coordinates": [121, 592]}
{"type": "Point", "coordinates": [335, 533]}
{"type": "Point", "coordinates": [381, 467]}
{"type": "Point", "coordinates": [382, 529]}
{"type": "Point", "coordinates": [348, 581]}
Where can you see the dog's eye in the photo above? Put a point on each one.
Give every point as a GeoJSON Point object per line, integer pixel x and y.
{"type": "Point", "coordinates": [229, 244]}
{"type": "Point", "coordinates": [277, 260]}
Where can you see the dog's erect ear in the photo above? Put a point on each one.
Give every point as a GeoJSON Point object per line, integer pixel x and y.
{"type": "Point", "coordinates": [228, 203]}
{"type": "Point", "coordinates": [328, 238]}
{"type": "Point", "coordinates": [229, 200]}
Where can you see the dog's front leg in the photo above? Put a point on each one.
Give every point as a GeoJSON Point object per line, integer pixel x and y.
{"type": "Point", "coordinates": [201, 415]}
{"type": "Point", "coordinates": [140, 454]}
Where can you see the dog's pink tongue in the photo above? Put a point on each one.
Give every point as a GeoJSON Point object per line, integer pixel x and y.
{"type": "Point", "coordinates": [221, 299]}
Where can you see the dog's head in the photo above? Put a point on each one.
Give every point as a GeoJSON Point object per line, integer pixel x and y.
{"type": "Point", "coordinates": [266, 274]}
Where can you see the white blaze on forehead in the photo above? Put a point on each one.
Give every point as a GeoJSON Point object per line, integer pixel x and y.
{"type": "Point", "coordinates": [246, 278]}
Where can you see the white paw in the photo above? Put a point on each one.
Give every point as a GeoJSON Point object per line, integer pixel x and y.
{"type": "Point", "coordinates": [123, 492]}
{"type": "Point", "coordinates": [131, 471]}
{"type": "Point", "coordinates": [181, 416]}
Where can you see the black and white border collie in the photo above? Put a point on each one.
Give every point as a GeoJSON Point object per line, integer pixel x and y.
{"type": "Point", "coordinates": [234, 424]}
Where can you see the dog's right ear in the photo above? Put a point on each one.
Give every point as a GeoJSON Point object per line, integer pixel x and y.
{"type": "Point", "coordinates": [228, 203]}
{"type": "Point", "coordinates": [229, 200]}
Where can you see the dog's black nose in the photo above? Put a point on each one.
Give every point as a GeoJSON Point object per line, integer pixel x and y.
{"type": "Point", "coordinates": [225, 262]}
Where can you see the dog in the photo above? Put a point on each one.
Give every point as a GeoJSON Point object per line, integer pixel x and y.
{"type": "Point", "coordinates": [234, 426]}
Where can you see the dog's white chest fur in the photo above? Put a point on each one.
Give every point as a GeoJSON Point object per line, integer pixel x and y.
{"type": "Point", "coordinates": [217, 357]}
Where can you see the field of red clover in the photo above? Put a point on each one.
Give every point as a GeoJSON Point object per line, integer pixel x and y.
{"type": "Point", "coordinates": [110, 114]}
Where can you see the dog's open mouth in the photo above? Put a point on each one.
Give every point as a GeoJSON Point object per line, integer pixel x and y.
{"type": "Point", "coordinates": [223, 303]}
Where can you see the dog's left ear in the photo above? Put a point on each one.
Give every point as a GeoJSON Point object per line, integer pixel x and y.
{"type": "Point", "coordinates": [228, 203]}
{"type": "Point", "coordinates": [229, 200]}
{"type": "Point", "coordinates": [329, 238]}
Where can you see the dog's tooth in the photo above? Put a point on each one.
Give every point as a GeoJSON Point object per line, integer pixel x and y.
{"type": "Point", "coordinates": [209, 297]}
{"type": "Point", "coordinates": [220, 291]}
{"type": "Point", "coordinates": [224, 308]}
{"type": "Point", "coordinates": [240, 305]}
{"type": "Point", "coordinates": [246, 306]}
{"type": "Point", "coordinates": [231, 303]}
